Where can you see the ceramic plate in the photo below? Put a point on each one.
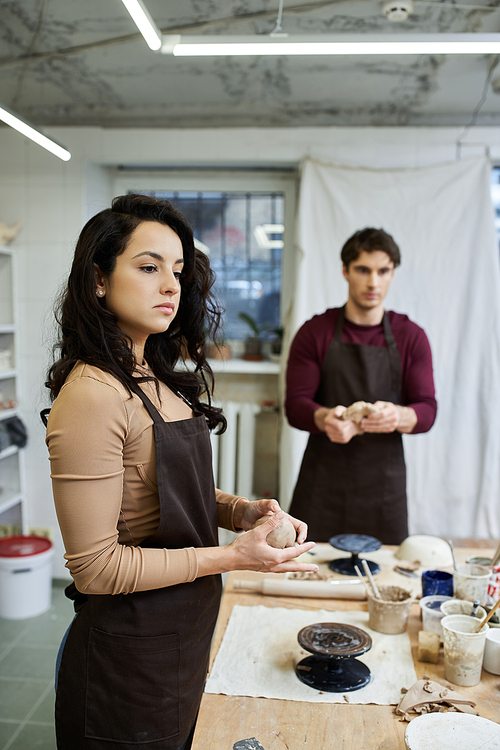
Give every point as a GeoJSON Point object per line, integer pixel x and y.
{"type": "Point", "coordinates": [452, 731]}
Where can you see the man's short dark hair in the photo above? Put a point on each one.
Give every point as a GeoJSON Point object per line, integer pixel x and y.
{"type": "Point", "coordinates": [370, 240]}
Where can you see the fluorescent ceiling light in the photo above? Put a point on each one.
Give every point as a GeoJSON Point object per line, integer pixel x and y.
{"type": "Point", "coordinates": [144, 23]}
{"type": "Point", "coordinates": [30, 131]}
{"type": "Point", "coordinates": [339, 44]}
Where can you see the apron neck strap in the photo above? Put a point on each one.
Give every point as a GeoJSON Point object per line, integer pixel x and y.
{"type": "Point", "coordinates": [340, 324]}
{"type": "Point", "coordinates": [392, 351]}
{"type": "Point", "coordinates": [153, 411]}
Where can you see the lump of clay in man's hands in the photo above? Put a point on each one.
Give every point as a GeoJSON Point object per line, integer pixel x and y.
{"type": "Point", "coordinates": [358, 410]}
{"type": "Point", "coordinates": [282, 536]}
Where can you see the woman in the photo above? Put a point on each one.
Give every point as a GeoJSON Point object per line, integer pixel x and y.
{"type": "Point", "coordinates": [133, 485]}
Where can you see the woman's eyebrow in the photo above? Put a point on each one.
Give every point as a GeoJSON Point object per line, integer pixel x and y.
{"type": "Point", "coordinates": [151, 254]}
{"type": "Point", "coordinates": [157, 256]}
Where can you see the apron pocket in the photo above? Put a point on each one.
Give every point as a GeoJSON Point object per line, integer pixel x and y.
{"type": "Point", "coordinates": [132, 687]}
{"type": "Point", "coordinates": [146, 479]}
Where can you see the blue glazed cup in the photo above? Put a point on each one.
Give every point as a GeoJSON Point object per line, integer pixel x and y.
{"type": "Point", "coordinates": [437, 582]}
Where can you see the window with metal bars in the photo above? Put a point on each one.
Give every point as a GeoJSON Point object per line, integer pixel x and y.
{"type": "Point", "coordinates": [242, 232]}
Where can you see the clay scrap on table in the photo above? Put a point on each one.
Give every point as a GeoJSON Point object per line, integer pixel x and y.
{"type": "Point", "coordinates": [358, 410]}
{"type": "Point", "coordinates": [427, 696]}
{"type": "Point", "coordinates": [410, 567]}
{"type": "Point", "coordinates": [309, 575]}
{"type": "Point", "coordinates": [252, 743]}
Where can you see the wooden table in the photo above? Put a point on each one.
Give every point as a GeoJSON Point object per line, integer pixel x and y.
{"type": "Point", "coordinates": [293, 725]}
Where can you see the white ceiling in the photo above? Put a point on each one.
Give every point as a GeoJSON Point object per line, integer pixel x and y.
{"type": "Point", "coordinates": [82, 62]}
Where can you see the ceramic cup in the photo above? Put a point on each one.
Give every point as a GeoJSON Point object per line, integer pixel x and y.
{"type": "Point", "coordinates": [491, 660]}
{"type": "Point", "coordinates": [471, 582]}
{"type": "Point", "coordinates": [437, 582]}
{"type": "Point", "coordinates": [390, 613]}
{"type": "Point", "coordinates": [463, 649]}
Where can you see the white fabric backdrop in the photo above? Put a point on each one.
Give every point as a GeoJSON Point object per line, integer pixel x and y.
{"type": "Point", "coordinates": [449, 284]}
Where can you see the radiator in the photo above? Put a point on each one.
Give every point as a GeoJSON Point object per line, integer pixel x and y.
{"type": "Point", "coordinates": [233, 452]}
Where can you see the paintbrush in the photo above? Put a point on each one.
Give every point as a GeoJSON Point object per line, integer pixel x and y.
{"type": "Point", "coordinates": [496, 557]}
{"type": "Point", "coordinates": [452, 554]}
{"type": "Point", "coordinates": [368, 573]}
{"type": "Point", "coordinates": [492, 610]}
{"type": "Point", "coordinates": [360, 576]}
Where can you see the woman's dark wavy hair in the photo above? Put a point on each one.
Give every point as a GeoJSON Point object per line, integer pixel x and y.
{"type": "Point", "coordinates": [89, 332]}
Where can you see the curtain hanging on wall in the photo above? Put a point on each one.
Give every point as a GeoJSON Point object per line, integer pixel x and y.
{"type": "Point", "coordinates": [449, 284]}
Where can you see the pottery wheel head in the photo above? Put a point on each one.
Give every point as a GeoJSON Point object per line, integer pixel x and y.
{"type": "Point", "coordinates": [334, 640]}
{"type": "Point", "coordinates": [355, 543]}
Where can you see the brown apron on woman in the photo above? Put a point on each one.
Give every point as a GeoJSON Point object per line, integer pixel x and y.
{"type": "Point", "coordinates": [134, 665]}
{"type": "Point", "coordinates": [359, 487]}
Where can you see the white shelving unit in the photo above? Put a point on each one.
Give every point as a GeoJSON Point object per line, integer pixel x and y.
{"type": "Point", "coordinates": [12, 469]}
{"type": "Point", "coordinates": [237, 366]}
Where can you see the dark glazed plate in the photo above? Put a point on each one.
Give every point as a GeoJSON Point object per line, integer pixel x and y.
{"type": "Point", "coordinates": [334, 640]}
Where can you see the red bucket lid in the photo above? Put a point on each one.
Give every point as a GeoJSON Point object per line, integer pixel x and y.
{"type": "Point", "coordinates": [22, 546]}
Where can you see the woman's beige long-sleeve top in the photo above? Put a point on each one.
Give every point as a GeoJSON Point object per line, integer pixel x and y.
{"type": "Point", "coordinates": [103, 471]}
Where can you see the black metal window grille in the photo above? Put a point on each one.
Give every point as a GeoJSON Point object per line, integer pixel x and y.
{"type": "Point", "coordinates": [242, 232]}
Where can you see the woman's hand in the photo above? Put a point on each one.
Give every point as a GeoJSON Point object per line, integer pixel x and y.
{"type": "Point", "coordinates": [252, 511]}
{"type": "Point", "coordinates": [250, 551]}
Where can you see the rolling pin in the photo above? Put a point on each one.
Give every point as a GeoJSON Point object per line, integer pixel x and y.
{"type": "Point", "coordinates": [297, 587]}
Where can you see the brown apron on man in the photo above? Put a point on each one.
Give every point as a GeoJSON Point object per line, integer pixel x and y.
{"type": "Point", "coordinates": [134, 665]}
{"type": "Point", "coordinates": [359, 487]}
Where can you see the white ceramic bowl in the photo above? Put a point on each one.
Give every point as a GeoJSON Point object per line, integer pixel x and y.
{"type": "Point", "coordinates": [430, 551]}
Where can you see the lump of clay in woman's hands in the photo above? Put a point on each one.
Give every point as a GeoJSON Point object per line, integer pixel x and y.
{"type": "Point", "coordinates": [282, 536]}
{"type": "Point", "coordinates": [358, 410]}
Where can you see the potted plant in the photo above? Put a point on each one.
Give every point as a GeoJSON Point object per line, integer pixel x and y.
{"type": "Point", "coordinates": [277, 340]}
{"type": "Point", "coordinates": [253, 342]}
{"type": "Point", "coordinates": [219, 350]}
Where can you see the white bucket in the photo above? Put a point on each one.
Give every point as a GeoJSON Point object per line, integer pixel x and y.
{"type": "Point", "coordinates": [25, 576]}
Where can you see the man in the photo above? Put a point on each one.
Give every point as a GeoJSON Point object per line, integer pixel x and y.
{"type": "Point", "coordinates": [353, 476]}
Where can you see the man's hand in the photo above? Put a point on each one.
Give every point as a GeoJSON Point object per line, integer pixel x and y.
{"type": "Point", "coordinates": [389, 418]}
{"type": "Point", "coordinates": [337, 430]}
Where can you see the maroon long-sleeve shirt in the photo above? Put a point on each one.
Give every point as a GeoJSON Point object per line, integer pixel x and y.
{"type": "Point", "coordinates": [312, 342]}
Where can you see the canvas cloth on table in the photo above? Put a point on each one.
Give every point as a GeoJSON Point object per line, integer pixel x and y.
{"type": "Point", "coordinates": [259, 651]}
{"type": "Point", "coordinates": [449, 284]}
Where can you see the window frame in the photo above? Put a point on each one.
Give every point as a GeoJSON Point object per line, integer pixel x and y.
{"type": "Point", "coordinates": [226, 181]}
